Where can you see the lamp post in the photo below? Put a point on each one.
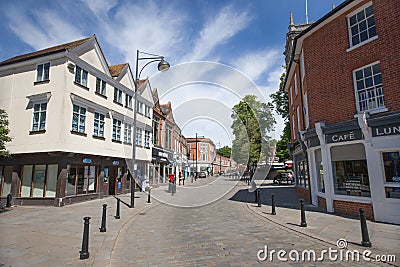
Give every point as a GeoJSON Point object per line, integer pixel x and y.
{"type": "Point", "coordinates": [162, 66]}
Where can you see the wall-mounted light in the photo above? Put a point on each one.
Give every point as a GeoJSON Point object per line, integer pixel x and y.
{"type": "Point", "coordinates": [71, 67]}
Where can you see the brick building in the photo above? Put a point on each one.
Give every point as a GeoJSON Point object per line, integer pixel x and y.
{"type": "Point", "coordinates": [343, 89]}
{"type": "Point", "coordinates": [202, 160]}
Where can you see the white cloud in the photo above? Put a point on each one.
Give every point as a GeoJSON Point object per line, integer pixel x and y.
{"type": "Point", "coordinates": [44, 28]}
{"type": "Point", "coordinates": [227, 24]}
{"type": "Point", "coordinates": [257, 63]}
{"type": "Point", "coordinates": [100, 8]}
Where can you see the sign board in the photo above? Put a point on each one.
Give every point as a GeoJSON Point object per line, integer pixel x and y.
{"type": "Point", "coordinates": [386, 130]}
{"type": "Point", "coordinates": [115, 162]}
{"type": "Point", "coordinates": [87, 160]}
{"type": "Point", "coordinates": [344, 136]}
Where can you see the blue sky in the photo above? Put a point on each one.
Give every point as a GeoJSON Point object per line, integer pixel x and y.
{"type": "Point", "coordinates": [246, 35]}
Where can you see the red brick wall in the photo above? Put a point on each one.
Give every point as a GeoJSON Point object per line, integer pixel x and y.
{"type": "Point", "coordinates": [322, 202]}
{"type": "Point", "coordinates": [352, 208]}
{"type": "Point", "coordinates": [329, 67]}
{"type": "Point", "coordinates": [303, 193]}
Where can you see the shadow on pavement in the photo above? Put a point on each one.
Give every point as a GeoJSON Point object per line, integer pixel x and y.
{"type": "Point", "coordinates": [285, 196]}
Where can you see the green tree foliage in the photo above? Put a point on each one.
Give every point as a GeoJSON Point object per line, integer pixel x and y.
{"type": "Point", "coordinates": [4, 131]}
{"type": "Point", "coordinates": [253, 121]}
{"type": "Point", "coordinates": [224, 151]}
{"type": "Point", "coordinates": [281, 102]}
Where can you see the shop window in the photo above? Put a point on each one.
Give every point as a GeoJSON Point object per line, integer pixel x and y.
{"type": "Point", "coordinates": [302, 173]}
{"type": "Point", "coordinates": [81, 180]}
{"type": "Point", "coordinates": [51, 180]}
{"type": "Point", "coordinates": [351, 178]}
{"type": "Point", "coordinates": [6, 179]}
{"type": "Point", "coordinates": [39, 179]}
{"type": "Point", "coordinates": [106, 175]}
{"type": "Point", "coordinates": [391, 163]}
{"type": "Point", "coordinates": [319, 171]}
{"type": "Point", "coordinates": [26, 182]}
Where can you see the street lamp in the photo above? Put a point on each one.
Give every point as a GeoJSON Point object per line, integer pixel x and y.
{"type": "Point", "coordinates": [162, 66]}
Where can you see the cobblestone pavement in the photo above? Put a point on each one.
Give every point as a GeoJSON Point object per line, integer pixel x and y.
{"type": "Point", "coordinates": [223, 233]}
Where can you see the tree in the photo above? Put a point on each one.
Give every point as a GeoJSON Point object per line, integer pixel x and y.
{"type": "Point", "coordinates": [4, 131]}
{"type": "Point", "coordinates": [224, 151]}
{"type": "Point", "coordinates": [280, 99]}
{"type": "Point", "coordinates": [252, 123]}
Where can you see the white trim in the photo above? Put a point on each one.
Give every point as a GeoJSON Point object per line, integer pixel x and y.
{"type": "Point", "coordinates": [80, 101]}
{"type": "Point", "coordinates": [361, 44]}
{"type": "Point", "coordinates": [33, 61]}
{"type": "Point", "coordinates": [352, 198]}
{"type": "Point", "coordinates": [42, 63]}
{"type": "Point", "coordinates": [363, 7]}
{"type": "Point", "coordinates": [39, 97]}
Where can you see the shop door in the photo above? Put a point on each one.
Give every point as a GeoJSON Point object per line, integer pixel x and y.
{"type": "Point", "coordinates": [112, 180]}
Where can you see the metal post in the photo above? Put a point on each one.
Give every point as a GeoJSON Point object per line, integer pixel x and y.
{"type": "Point", "coordinates": [364, 230]}
{"type": "Point", "coordinates": [84, 253]}
{"type": "Point", "coordinates": [118, 204]}
{"type": "Point", "coordinates": [303, 214]}
{"type": "Point", "coordinates": [259, 197]}
{"type": "Point", "coordinates": [148, 196]}
{"type": "Point", "coordinates": [103, 219]}
{"type": "Point", "coordinates": [133, 185]}
{"type": "Point", "coordinates": [273, 205]}
{"type": "Point", "coordinates": [195, 173]}
{"type": "Point", "coordinates": [256, 196]}
{"type": "Point", "coordinates": [9, 198]}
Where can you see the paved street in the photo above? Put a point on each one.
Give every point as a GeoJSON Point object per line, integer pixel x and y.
{"type": "Point", "coordinates": [227, 232]}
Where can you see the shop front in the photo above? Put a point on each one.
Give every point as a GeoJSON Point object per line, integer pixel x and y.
{"type": "Point", "coordinates": [161, 165]}
{"type": "Point", "coordinates": [60, 178]}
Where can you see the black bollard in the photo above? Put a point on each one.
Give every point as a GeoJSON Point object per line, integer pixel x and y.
{"type": "Point", "coordinates": [364, 230]}
{"type": "Point", "coordinates": [273, 205]}
{"type": "Point", "coordinates": [256, 196]}
{"type": "Point", "coordinates": [303, 214]}
{"type": "Point", "coordinates": [183, 181]}
{"type": "Point", "coordinates": [148, 196]}
{"type": "Point", "coordinates": [259, 197]}
{"type": "Point", "coordinates": [9, 198]}
{"type": "Point", "coordinates": [118, 205]}
{"type": "Point", "coordinates": [84, 253]}
{"type": "Point", "coordinates": [103, 219]}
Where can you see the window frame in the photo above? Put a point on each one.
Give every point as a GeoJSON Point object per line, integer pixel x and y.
{"type": "Point", "coordinates": [42, 79]}
{"type": "Point", "coordinates": [127, 133]}
{"type": "Point", "coordinates": [349, 26]}
{"type": "Point", "coordinates": [117, 125]}
{"type": "Point", "coordinates": [118, 96]}
{"type": "Point", "coordinates": [128, 101]}
{"type": "Point", "coordinates": [82, 71]}
{"type": "Point", "coordinates": [80, 115]}
{"type": "Point", "coordinates": [138, 136]}
{"type": "Point", "coordinates": [40, 111]}
{"type": "Point", "coordinates": [101, 123]}
{"type": "Point", "coordinates": [101, 86]}
{"type": "Point", "coordinates": [356, 91]}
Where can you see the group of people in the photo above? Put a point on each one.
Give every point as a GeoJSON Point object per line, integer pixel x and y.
{"type": "Point", "coordinates": [282, 177]}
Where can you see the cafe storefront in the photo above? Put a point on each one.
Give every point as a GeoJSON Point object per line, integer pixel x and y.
{"type": "Point", "coordinates": [356, 164]}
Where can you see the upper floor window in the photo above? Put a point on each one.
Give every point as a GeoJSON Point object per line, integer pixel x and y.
{"type": "Point", "coordinates": [147, 136]}
{"type": "Point", "coordinates": [128, 133]}
{"type": "Point", "coordinates": [361, 26]}
{"type": "Point", "coordinates": [138, 138]}
{"type": "Point", "coordinates": [291, 95]}
{"type": "Point", "coordinates": [101, 86]}
{"type": "Point", "coordinates": [43, 72]}
{"type": "Point", "coordinates": [368, 87]}
{"type": "Point", "coordinates": [98, 129]}
{"type": "Point", "coordinates": [117, 95]}
{"type": "Point", "coordinates": [81, 76]}
{"type": "Point", "coordinates": [303, 70]}
{"type": "Point", "coordinates": [116, 133]}
{"type": "Point", "coordinates": [139, 107]}
{"type": "Point", "coordinates": [156, 122]}
{"type": "Point", "coordinates": [296, 91]}
{"type": "Point", "coordinates": [39, 116]}
{"type": "Point", "coordinates": [128, 101]}
{"type": "Point", "coordinates": [147, 111]}
{"type": "Point", "coordinates": [78, 119]}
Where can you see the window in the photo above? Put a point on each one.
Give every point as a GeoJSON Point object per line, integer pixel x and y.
{"type": "Point", "coordinates": [128, 101]}
{"type": "Point", "coordinates": [81, 180]}
{"type": "Point", "coordinates": [291, 95]}
{"type": "Point", "coordinates": [147, 111]}
{"type": "Point", "coordinates": [320, 171]}
{"type": "Point", "coordinates": [168, 137]}
{"type": "Point", "coordinates": [117, 96]}
{"type": "Point", "coordinates": [98, 129]}
{"type": "Point", "coordinates": [147, 136]}
{"type": "Point", "coordinates": [361, 26]}
{"type": "Point", "coordinates": [39, 180]}
{"type": "Point", "coordinates": [116, 134]}
{"type": "Point", "coordinates": [293, 128]}
{"type": "Point", "coordinates": [39, 117]}
{"type": "Point", "coordinates": [298, 119]}
{"type": "Point", "coordinates": [81, 76]}
{"type": "Point", "coordinates": [78, 119]}
{"type": "Point", "coordinates": [156, 122]}
{"type": "Point", "coordinates": [368, 86]}
{"type": "Point", "coordinates": [101, 86]}
{"type": "Point", "coordinates": [391, 163]}
{"type": "Point", "coordinates": [138, 139]}
{"type": "Point", "coordinates": [303, 70]}
{"type": "Point", "coordinates": [350, 177]}
{"type": "Point", "coordinates": [127, 133]}
{"type": "Point", "coordinates": [43, 72]}
{"type": "Point", "coordinates": [139, 107]}
{"type": "Point", "coordinates": [302, 173]}
{"type": "Point", "coordinates": [296, 91]}
{"type": "Point", "coordinates": [305, 110]}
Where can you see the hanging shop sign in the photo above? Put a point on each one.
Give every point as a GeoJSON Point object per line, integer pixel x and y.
{"type": "Point", "coordinates": [115, 162]}
{"type": "Point", "coordinates": [344, 136]}
{"type": "Point", "coordinates": [87, 160]}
